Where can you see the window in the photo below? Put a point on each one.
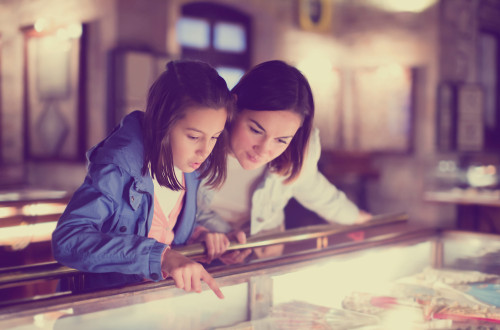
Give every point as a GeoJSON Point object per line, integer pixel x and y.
{"type": "Point", "coordinates": [229, 37]}
{"type": "Point", "coordinates": [218, 35]}
{"type": "Point", "coordinates": [193, 33]}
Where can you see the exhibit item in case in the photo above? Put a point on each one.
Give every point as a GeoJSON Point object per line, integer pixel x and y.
{"type": "Point", "coordinates": [419, 278]}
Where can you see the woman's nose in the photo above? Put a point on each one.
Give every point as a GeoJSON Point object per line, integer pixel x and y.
{"type": "Point", "coordinates": [262, 147]}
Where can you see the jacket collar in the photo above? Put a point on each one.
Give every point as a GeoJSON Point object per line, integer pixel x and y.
{"type": "Point", "coordinates": [123, 147]}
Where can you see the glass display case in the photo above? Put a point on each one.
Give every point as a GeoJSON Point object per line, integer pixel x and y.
{"type": "Point", "coordinates": [361, 284]}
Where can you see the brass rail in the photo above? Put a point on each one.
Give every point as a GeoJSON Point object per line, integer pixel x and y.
{"type": "Point", "coordinates": [300, 234]}
{"type": "Point", "coordinates": [13, 276]}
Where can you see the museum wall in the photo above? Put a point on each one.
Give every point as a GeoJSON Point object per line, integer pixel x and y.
{"type": "Point", "coordinates": [358, 37]}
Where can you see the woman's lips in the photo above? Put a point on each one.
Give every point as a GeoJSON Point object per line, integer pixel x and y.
{"type": "Point", "coordinates": [253, 159]}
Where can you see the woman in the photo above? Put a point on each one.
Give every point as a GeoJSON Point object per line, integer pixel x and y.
{"type": "Point", "coordinates": [273, 157]}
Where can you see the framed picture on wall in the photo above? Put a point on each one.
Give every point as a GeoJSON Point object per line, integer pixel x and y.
{"type": "Point", "coordinates": [315, 15]}
{"type": "Point", "coordinates": [1, 123]}
{"type": "Point", "coordinates": [54, 93]}
{"type": "Point", "coordinates": [470, 123]}
{"type": "Point", "coordinates": [134, 72]}
{"type": "Point", "coordinates": [383, 102]}
{"type": "Point", "coordinates": [488, 73]}
{"type": "Point", "coordinates": [446, 117]}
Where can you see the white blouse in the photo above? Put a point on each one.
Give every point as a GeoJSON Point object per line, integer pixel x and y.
{"type": "Point", "coordinates": [233, 201]}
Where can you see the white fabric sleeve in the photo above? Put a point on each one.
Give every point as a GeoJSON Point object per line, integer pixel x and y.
{"type": "Point", "coordinates": [315, 192]}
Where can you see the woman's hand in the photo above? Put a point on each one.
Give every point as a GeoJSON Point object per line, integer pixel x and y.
{"type": "Point", "coordinates": [269, 251]}
{"type": "Point", "coordinates": [363, 217]}
{"type": "Point", "coordinates": [186, 273]}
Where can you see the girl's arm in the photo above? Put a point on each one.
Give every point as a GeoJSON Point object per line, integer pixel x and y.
{"type": "Point", "coordinates": [93, 235]}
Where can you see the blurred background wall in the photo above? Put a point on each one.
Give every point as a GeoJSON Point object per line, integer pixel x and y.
{"type": "Point", "coordinates": [386, 76]}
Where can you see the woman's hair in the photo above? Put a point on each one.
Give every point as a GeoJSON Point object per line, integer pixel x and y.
{"type": "Point", "coordinates": [276, 85]}
{"type": "Point", "coordinates": [183, 84]}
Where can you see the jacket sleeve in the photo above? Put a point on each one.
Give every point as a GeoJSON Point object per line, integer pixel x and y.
{"type": "Point", "coordinates": [316, 193]}
{"type": "Point", "coordinates": [205, 216]}
{"type": "Point", "coordinates": [91, 236]}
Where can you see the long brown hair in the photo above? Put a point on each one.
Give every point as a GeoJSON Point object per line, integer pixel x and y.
{"type": "Point", "coordinates": [276, 85]}
{"type": "Point", "coordinates": [184, 83]}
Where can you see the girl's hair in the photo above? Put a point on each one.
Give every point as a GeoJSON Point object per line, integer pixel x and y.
{"type": "Point", "coordinates": [276, 85]}
{"type": "Point", "coordinates": [184, 83]}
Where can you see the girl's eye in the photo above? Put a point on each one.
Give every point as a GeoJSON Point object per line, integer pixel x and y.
{"type": "Point", "coordinates": [282, 141]}
{"type": "Point", "coordinates": [254, 130]}
{"type": "Point", "coordinates": [193, 137]}
{"type": "Point", "coordinates": [215, 137]}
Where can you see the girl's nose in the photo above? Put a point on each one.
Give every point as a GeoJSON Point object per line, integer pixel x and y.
{"type": "Point", "coordinates": [205, 149]}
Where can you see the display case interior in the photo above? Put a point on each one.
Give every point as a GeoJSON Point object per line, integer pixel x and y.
{"type": "Point", "coordinates": [419, 278]}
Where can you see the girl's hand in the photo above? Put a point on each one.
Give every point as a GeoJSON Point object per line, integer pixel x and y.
{"type": "Point", "coordinates": [215, 243]}
{"type": "Point", "coordinates": [237, 257]}
{"type": "Point", "coordinates": [187, 274]}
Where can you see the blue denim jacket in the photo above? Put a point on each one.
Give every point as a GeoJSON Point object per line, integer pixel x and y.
{"type": "Point", "coordinates": [105, 225]}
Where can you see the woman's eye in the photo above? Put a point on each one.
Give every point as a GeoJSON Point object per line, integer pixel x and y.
{"type": "Point", "coordinates": [282, 141]}
{"type": "Point", "coordinates": [254, 130]}
{"type": "Point", "coordinates": [215, 137]}
{"type": "Point", "coordinates": [193, 137]}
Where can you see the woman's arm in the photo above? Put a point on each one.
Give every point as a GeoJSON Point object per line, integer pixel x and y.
{"type": "Point", "coordinates": [205, 216]}
{"type": "Point", "coordinates": [315, 192]}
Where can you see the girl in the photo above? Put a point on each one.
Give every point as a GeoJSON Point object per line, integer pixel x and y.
{"type": "Point", "coordinates": [271, 160]}
{"type": "Point", "coordinates": [141, 181]}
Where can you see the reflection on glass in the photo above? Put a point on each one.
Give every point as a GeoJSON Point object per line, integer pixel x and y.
{"type": "Point", "coordinates": [230, 75]}
{"type": "Point", "coordinates": [229, 37]}
{"type": "Point", "coordinates": [8, 211]}
{"type": "Point", "coordinates": [19, 237]}
{"type": "Point", "coordinates": [193, 32]}
{"type": "Point", "coordinates": [395, 286]}
{"type": "Point", "coordinates": [348, 274]}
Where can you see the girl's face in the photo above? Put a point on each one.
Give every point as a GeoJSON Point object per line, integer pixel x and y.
{"type": "Point", "coordinates": [194, 136]}
{"type": "Point", "coordinates": [258, 137]}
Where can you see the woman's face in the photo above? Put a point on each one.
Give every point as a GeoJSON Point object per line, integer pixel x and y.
{"type": "Point", "coordinates": [258, 137]}
{"type": "Point", "coordinates": [193, 137]}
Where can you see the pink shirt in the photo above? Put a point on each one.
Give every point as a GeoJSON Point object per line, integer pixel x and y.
{"type": "Point", "coordinates": [162, 227]}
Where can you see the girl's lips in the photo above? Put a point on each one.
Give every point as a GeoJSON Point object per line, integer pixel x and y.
{"type": "Point", "coordinates": [194, 165]}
